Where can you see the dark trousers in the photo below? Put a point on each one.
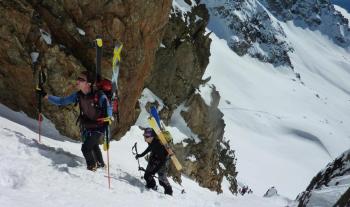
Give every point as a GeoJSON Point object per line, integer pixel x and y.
{"type": "Point", "coordinates": [154, 167]}
{"type": "Point", "coordinates": [90, 148]}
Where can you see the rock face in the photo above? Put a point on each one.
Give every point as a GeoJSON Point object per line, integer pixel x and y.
{"type": "Point", "coordinates": [182, 58]}
{"type": "Point", "coordinates": [62, 33]}
{"type": "Point", "coordinates": [329, 186]}
{"type": "Point", "coordinates": [215, 159]}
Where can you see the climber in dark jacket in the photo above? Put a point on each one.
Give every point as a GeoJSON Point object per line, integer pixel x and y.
{"type": "Point", "coordinates": [158, 162]}
{"type": "Point", "coordinates": [95, 116]}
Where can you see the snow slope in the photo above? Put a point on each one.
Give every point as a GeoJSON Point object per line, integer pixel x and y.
{"type": "Point", "coordinates": [52, 173]}
{"type": "Point", "coordinates": [284, 130]}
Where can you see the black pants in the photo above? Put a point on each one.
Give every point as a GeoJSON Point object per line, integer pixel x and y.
{"type": "Point", "coordinates": [154, 167]}
{"type": "Point", "coordinates": [90, 148]}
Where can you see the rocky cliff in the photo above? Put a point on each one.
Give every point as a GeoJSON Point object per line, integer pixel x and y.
{"type": "Point", "coordinates": [62, 32]}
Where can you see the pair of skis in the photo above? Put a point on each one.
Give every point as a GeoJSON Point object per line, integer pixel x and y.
{"type": "Point", "coordinates": [154, 122]}
{"type": "Point", "coordinates": [115, 74]}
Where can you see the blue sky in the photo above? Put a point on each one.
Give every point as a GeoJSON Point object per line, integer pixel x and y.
{"type": "Point", "coordinates": [343, 3]}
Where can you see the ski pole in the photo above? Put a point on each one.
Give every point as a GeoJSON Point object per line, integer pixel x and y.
{"type": "Point", "coordinates": [138, 162]}
{"type": "Point", "coordinates": [41, 81]}
{"type": "Point", "coordinates": [107, 140]}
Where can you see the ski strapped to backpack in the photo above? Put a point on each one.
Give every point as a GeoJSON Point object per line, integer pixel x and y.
{"type": "Point", "coordinates": [166, 133]}
{"type": "Point", "coordinates": [110, 89]}
{"type": "Point", "coordinates": [115, 75]}
{"type": "Point", "coordinates": [98, 45]}
{"type": "Point", "coordinates": [154, 125]}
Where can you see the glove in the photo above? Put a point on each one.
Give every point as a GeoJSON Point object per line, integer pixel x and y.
{"type": "Point", "coordinates": [137, 156]}
{"type": "Point", "coordinates": [41, 92]}
{"type": "Point", "coordinates": [105, 121]}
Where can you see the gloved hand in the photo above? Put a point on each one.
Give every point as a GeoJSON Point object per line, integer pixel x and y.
{"type": "Point", "coordinates": [137, 156]}
{"type": "Point", "coordinates": [105, 121]}
{"type": "Point", "coordinates": [41, 92]}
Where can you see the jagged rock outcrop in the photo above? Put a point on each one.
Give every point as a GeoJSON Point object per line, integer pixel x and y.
{"type": "Point", "coordinates": [329, 186]}
{"type": "Point", "coordinates": [182, 58]}
{"type": "Point", "coordinates": [214, 158]}
{"type": "Point", "coordinates": [62, 33]}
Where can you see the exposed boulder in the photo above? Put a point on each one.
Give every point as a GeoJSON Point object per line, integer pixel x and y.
{"type": "Point", "coordinates": [271, 192]}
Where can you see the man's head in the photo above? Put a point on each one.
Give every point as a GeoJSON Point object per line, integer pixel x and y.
{"type": "Point", "coordinates": [149, 135]}
{"type": "Point", "coordinates": [84, 81]}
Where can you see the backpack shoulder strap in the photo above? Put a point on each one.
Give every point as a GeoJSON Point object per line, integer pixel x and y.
{"type": "Point", "coordinates": [79, 93]}
{"type": "Point", "coordinates": [103, 102]}
{"type": "Point", "coordinates": [77, 122]}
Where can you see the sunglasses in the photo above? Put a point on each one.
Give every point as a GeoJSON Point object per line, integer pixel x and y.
{"type": "Point", "coordinates": [146, 137]}
{"type": "Point", "coordinates": [80, 79]}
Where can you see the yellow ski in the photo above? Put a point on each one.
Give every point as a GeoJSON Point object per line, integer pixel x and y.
{"type": "Point", "coordinates": [154, 126]}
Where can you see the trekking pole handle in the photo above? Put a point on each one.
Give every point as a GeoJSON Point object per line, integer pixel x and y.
{"type": "Point", "coordinates": [134, 147]}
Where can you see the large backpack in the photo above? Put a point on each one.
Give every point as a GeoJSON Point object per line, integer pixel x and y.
{"type": "Point", "coordinates": [105, 85]}
{"type": "Point", "coordinates": [90, 109]}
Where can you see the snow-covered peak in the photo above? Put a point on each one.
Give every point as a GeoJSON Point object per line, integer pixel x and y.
{"type": "Point", "coordinates": [249, 28]}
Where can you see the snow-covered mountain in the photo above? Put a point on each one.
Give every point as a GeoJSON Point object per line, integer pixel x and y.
{"type": "Point", "coordinates": [284, 126]}
{"type": "Point", "coordinates": [254, 27]}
